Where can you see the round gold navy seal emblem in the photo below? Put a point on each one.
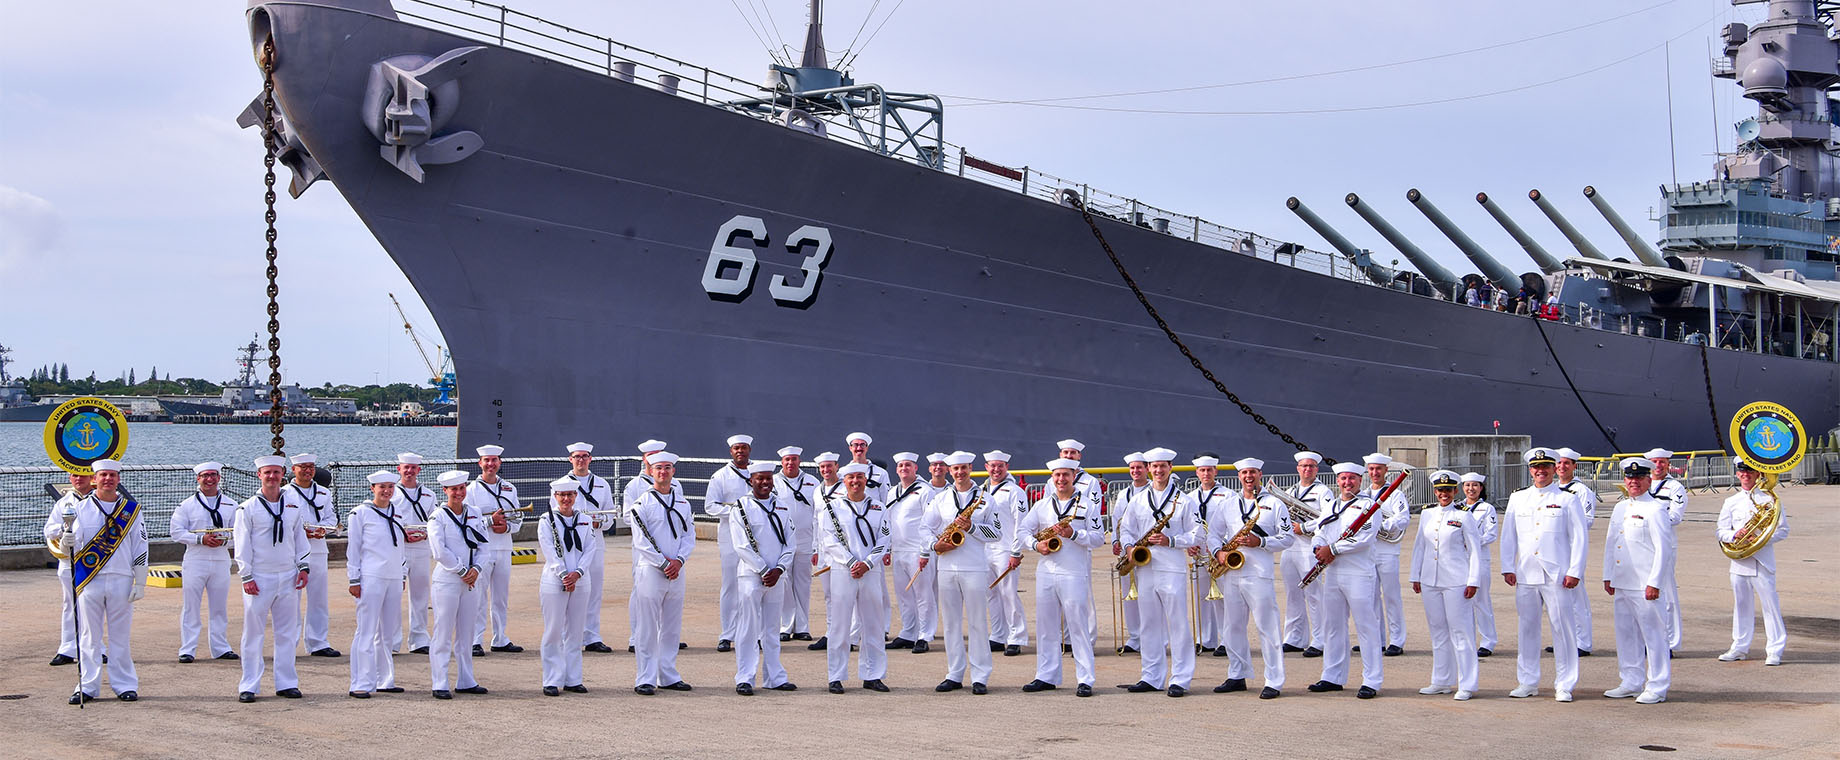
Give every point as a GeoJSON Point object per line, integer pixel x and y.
{"type": "Point", "coordinates": [83, 430]}
{"type": "Point", "coordinates": [1769, 437]}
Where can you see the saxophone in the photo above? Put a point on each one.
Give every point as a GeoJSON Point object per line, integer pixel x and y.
{"type": "Point", "coordinates": [952, 533]}
{"type": "Point", "coordinates": [1051, 534]}
{"type": "Point", "coordinates": [1138, 554]}
{"type": "Point", "coordinates": [1236, 559]}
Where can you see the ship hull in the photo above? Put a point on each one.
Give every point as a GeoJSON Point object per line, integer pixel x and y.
{"type": "Point", "coordinates": [564, 263]}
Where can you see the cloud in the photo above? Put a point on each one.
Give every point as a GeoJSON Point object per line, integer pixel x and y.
{"type": "Point", "coordinates": [29, 227]}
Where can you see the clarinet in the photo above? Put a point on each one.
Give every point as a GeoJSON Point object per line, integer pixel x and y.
{"type": "Point", "coordinates": [745, 527]}
{"type": "Point", "coordinates": [555, 535]}
{"type": "Point", "coordinates": [836, 529]}
{"type": "Point", "coordinates": [647, 532]}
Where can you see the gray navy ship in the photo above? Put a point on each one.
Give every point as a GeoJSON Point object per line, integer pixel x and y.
{"type": "Point", "coordinates": [620, 245]}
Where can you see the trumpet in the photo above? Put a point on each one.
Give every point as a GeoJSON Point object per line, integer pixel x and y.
{"type": "Point", "coordinates": [588, 512]}
{"type": "Point", "coordinates": [526, 508]}
{"type": "Point", "coordinates": [1236, 559]}
{"type": "Point", "coordinates": [226, 531]}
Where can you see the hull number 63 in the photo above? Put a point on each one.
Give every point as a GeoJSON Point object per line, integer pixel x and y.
{"type": "Point", "coordinates": [729, 275]}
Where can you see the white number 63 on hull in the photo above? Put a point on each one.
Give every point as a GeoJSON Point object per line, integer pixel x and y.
{"type": "Point", "coordinates": [729, 274]}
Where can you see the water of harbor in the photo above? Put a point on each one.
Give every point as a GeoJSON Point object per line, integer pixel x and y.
{"type": "Point", "coordinates": [22, 444]}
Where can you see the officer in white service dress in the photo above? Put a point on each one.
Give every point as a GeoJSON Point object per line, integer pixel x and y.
{"type": "Point", "coordinates": [1542, 553]}
{"type": "Point", "coordinates": [1638, 549]}
{"type": "Point", "coordinates": [1447, 569]}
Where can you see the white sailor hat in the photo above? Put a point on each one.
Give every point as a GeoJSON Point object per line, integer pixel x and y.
{"type": "Point", "coordinates": [1538, 456]}
{"type": "Point", "coordinates": [1349, 468]}
{"type": "Point", "coordinates": [204, 467]}
{"type": "Point", "coordinates": [409, 457]}
{"type": "Point", "coordinates": [1159, 454]}
{"type": "Point", "coordinates": [1635, 467]}
{"type": "Point", "coordinates": [1063, 464]}
{"type": "Point", "coordinates": [267, 461]}
{"type": "Point", "coordinates": [490, 450]}
{"type": "Point", "coordinates": [651, 446]}
{"type": "Point", "coordinates": [665, 457]}
{"type": "Point", "coordinates": [1740, 463]}
{"type": "Point", "coordinates": [303, 459]}
{"type": "Point", "coordinates": [1071, 444]}
{"type": "Point", "coordinates": [854, 468]}
{"type": "Point", "coordinates": [1135, 457]}
{"type": "Point", "coordinates": [105, 465]}
{"type": "Point", "coordinates": [790, 451]}
{"type": "Point", "coordinates": [854, 437]}
{"type": "Point", "coordinates": [383, 476]}
{"type": "Point", "coordinates": [1249, 463]}
{"type": "Point", "coordinates": [1658, 454]}
{"type": "Point", "coordinates": [907, 456]}
{"type": "Point", "coordinates": [997, 455]}
{"type": "Point", "coordinates": [828, 456]}
{"type": "Point", "coordinates": [563, 484]}
{"type": "Point", "coordinates": [935, 457]}
{"type": "Point", "coordinates": [584, 446]}
{"type": "Point", "coordinates": [1443, 479]}
{"type": "Point", "coordinates": [957, 458]}
{"type": "Point", "coordinates": [1473, 477]}
{"type": "Point", "coordinates": [734, 440]}
{"type": "Point", "coordinates": [1310, 455]}
{"type": "Point", "coordinates": [757, 468]}
{"type": "Point", "coordinates": [1206, 462]}
{"type": "Point", "coordinates": [452, 478]}
{"type": "Point", "coordinates": [1376, 458]}
{"type": "Point", "coordinates": [1564, 452]}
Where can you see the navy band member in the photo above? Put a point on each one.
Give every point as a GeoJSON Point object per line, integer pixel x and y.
{"type": "Point", "coordinates": [635, 489]}
{"type": "Point", "coordinates": [414, 505]}
{"type": "Point", "coordinates": [1447, 569]}
{"type": "Point", "coordinates": [202, 524]}
{"type": "Point", "coordinates": [568, 543]}
{"type": "Point", "coordinates": [107, 528]}
{"type": "Point", "coordinates": [321, 519]}
{"type": "Point", "coordinates": [1475, 502]}
{"type": "Point", "coordinates": [1258, 526]}
{"type": "Point", "coordinates": [1754, 575]}
{"type": "Point", "coordinates": [1638, 550]}
{"type": "Point", "coordinates": [496, 500]}
{"type": "Point", "coordinates": [1009, 623]}
{"type": "Point", "coordinates": [1088, 485]}
{"type": "Point", "coordinates": [829, 486]}
{"type": "Point", "coordinates": [596, 496]}
{"type": "Point", "coordinates": [1303, 615]}
{"type": "Point", "coordinates": [879, 482]}
{"type": "Point", "coordinates": [80, 488]}
{"type": "Point", "coordinates": [1063, 576]}
{"type": "Point", "coordinates": [1207, 502]}
{"type": "Point", "coordinates": [852, 538]}
{"type": "Point", "coordinates": [1395, 517]}
{"type": "Point", "coordinates": [798, 491]}
{"type": "Point", "coordinates": [917, 598]}
{"type": "Point", "coordinates": [1672, 492]}
{"type": "Point", "coordinates": [1348, 585]}
{"type": "Point", "coordinates": [456, 534]}
{"type": "Point", "coordinates": [963, 572]}
{"type": "Point", "coordinates": [662, 539]}
{"type": "Point", "coordinates": [271, 558]}
{"type": "Point", "coordinates": [1168, 655]}
{"type": "Point", "coordinates": [376, 556]}
{"type": "Point", "coordinates": [762, 539]}
{"type": "Point", "coordinates": [727, 486]}
{"type": "Point", "coordinates": [1564, 473]}
{"type": "Point", "coordinates": [1140, 480]}
{"type": "Point", "coordinates": [1543, 553]}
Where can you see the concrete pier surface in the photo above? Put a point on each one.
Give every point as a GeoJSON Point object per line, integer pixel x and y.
{"type": "Point", "coordinates": [1715, 709]}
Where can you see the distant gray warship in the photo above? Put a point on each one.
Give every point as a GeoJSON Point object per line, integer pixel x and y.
{"type": "Point", "coordinates": [618, 245]}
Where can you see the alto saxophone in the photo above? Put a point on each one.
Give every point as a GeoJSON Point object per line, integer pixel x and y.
{"type": "Point", "coordinates": [1236, 559]}
{"type": "Point", "coordinates": [1051, 534]}
{"type": "Point", "coordinates": [952, 533]}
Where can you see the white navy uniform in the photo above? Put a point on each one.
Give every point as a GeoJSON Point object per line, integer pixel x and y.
{"type": "Point", "coordinates": [879, 482]}
{"type": "Point", "coordinates": [635, 488]}
{"type": "Point", "coordinates": [314, 503]}
{"type": "Point", "coordinates": [726, 486]}
{"type": "Point", "coordinates": [762, 540]}
{"type": "Point", "coordinates": [376, 559]}
{"type": "Point", "coordinates": [1581, 594]}
{"type": "Point", "coordinates": [1211, 614]}
{"type": "Point", "coordinates": [1303, 616]}
{"type": "Point", "coordinates": [567, 545]}
{"type": "Point", "coordinates": [1063, 584]}
{"type": "Point", "coordinates": [1542, 542]}
{"type": "Point", "coordinates": [1448, 556]}
{"type": "Point", "coordinates": [1395, 516]}
{"type": "Point", "coordinates": [662, 531]}
{"type": "Point", "coordinates": [456, 540]}
{"type": "Point", "coordinates": [1009, 622]}
{"type": "Point", "coordinates": [54, 529]}
{"type": "Point", "coordinates": [822, 493]}
{"type": "Point", "coordinates": [798, 494]}
{"type": "Point", "coordinates": [595, 493]}
{"type": "Point", "coordinates": [413, 507]}
{"type": "Point", "coordinates": [1638, 551]}
{"type": "Point", "coordinates": [908, 541]}
{"type": "Point", "coordinates": [1754, 576]}
{"type": "Point", "coordinates": [270, 549]}
{"type": "Point", "coordinates": [856, 609]}
{"type": "Point", "coordinates": [1162, 585]}
{"type": "Point", "coordinates": [1489, 524]}
{"type": "Point", "coordinates": [964, 579]}
{"type": "Point", "coordinates": [206, 568]}
{"type": "Point", "coordinates": [1133, 624]}
{"type": "Point", "coordinates": [1249, 592]}
{"type": "Point", "coordinates": [494, 558]}
{"type": "Point", "coordinates": [107, 601]}
{"type": "Point", "coordinates": [1348, 589]}
{"type": "Point", "coordinates": [1673, 494]}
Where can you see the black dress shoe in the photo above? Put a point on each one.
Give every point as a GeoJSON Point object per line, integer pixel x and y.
{"type": "Point", "coordinates": [1322, 686]}
{"type": "Point", "coordinates": [288, 693]}
{"type": "Point", "coordinates": [787, 686]}
{"type": "Point", "coordinates": [1367, 692]}
{"type": "Point", "coordinates": [1231, 684]}
{"type": "Point", "coordinates": [1355, 648]}
{"type": "Point", "coordinates": [725, 646]}
{"type": "Point", "coordinates": [105, 659]}
{"type": "Point", "coordinates": [802, 636]}
{"type": "Point", "coordinates": [1312, 652]}
{"type": "Point", "coordinates": [247, 696]}
{"type": "Point", "coordinates": [1549, 650]}
{"type": "Point", "coordinates": [474, 689]}
{"type": "Point", "coordinates": [551, 691]}
{"type": "Point", "coordinates": [836, 687]}
{"type": "Point", "coordinates": [996, 646]}
{"type": "Point", "coordinates": [419, 650]}
{"type": "Point", "coordinates": [479, 651]}
{"type": "Point", "coordinates": [325, 652]}
{"type": "Point", "coordinates": [948, 685]}
{"type": "Point", "coordinates": [744, 689]}
{"type": "Point", "coordinates": [186, 658]}
{"type": "Point", "coordinates": [681, 646]}
{"type": "Point", "coordinates": [576, 689]}
{"type": "Point", "coordinates": [1083, 690]}
{"type": "Point", "coordinates": [678, 686]}
{"type": "Point", "coordinates": [629, 649]}
{"type": "Point", "coordinates": [598, 646]}
{"type": "Point", "coordinates": [823, 643]}
{"type": "Point", "coordinates": [785, 637]}
{"type": "Point", "coordinates": [443, 694]}
{"type": "Point", "coordinates": [224, 656]}
{"type": "Point", "coordinates": [78, 698]}
{"type": "Point", "coordinates": [852, 647]}
{"type": "Point", "coordinates": [61, 659]}
{"type": "Point", "coordinates": [1220, 651]}
{"type": "Point", "coordinates": [1177, 691]}
{"type": "Point", "coordinates": [899, 643]}
{"type": "Point", "coordinates": [1037, 685]}
{"type": "Point", "coordinates": [129, 696]}
{"type": "Point", "coordinates": [1066, 649]}
{"type": "Point", "coordinates": [1584, 653]}
{"type": "Point", "coordinates": [1289, 648]}
{"type": "Point", "coordinates": [358, 694]}
{"type": "Point", "coordinates": [1392, 650]}
{"type": "Point", "coordinates": [1484, 651]}
{"type": "Point", "coordinates": [1127, 649]}
{"type": "Point", "coordinates": [512, 648]}
{"type": "Point", "coordinates": [1141, 687]}
{"type": "Point", "coordinates": [922, 647]}
{"type": "Point", "coordinates": [392, 690]}
{"type": "Point", "coordinates": [979, 689]}
{"type": "Point", "coordinates": [645, 689]}
{"type": "Point", "coordinates": [1268, 693]}
{"type": "Point", "coordinates": [1012, 650]}
{"type": "Point", "coordinates": [875, 684]}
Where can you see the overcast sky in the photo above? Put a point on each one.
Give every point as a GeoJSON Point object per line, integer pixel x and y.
{"type": "Point", "coordinates": [130, 203]}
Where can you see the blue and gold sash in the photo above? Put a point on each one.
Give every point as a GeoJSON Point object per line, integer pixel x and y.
{"type": "Point", "coordinates": [97, 552]}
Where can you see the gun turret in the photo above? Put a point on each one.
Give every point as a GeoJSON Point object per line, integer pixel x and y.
{"type": "Point", "coordinates": [1565, 227]}
{"type": "Point", "coordinates": [1440, 278]}
{"type": "Point", "coordinates": [1535, 251]}
{"type": "Point", "coordinates": [1378, 274]}
{"type": "Point", "coordinates": [1492, 269]}
{"type": "Point", "coordinates": [1643, 251]}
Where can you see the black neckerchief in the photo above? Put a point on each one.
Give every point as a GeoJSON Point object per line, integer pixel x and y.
{"type": "Point", "coordinates": [390, 517]}
{"type": "Point", "coordinates": [830, 490]}
{"type": "Point", "coordinates": [960, 507]}
{"type": "Point", "coordinates": [309, 499]}
{"type": "Point", "coordinates": [498, 495]}
{"type": "Point", "coordinates": [468, 533]}
{"type": "Point", "coordinates": [421, 515]}
{"type": "Point", "coordinates": [1156, 512]}
{"type": "Point", "coordinates": [275, 514]}
{"type": "Point", "coordinates": [872, 468]}
{"type": "Point", "coordinates": [217, 502]}
{"type": "Point", "coordinates": [570, 541]}
{"type": "Point", "coordinates": [793, 486]}
{"type": "Point", "coordinates": [864, 530]}
{"type": "Point", "coordinates": [672, 518]}
{"type": "Point", "coordinates": [1202, 502]}
{"type": "Point", "coordinates": [1061, 514]}
{"type": "Point", "coordinates": [906, 492]}
{"type": "Point", "coordinates": [773, 521]}
{"type": "Point", "coordinates": [587, 493]}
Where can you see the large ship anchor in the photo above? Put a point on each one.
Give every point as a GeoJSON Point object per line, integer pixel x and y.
{"type": "Point", "coordinates": [410, 98]}
{"type": "Point", "coordinates": [288, 148]}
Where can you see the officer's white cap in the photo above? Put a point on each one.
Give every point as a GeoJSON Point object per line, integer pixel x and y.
{"type": "Point", "coordinates": [1064, 464]}
{"type": "Point", "coordinates": [828, 456]}
{"type": "Point", "coordinates": [584, 446]}
{"type": "Point", "coordinates": [1473, 477]}
{"type": "Point", "coordinates": [1159, 454]}
{"type": "Point", "coordinates": [1135, 457]}
{"type": "Point", "coordinates": [652, 446]}
{"type": "Point", "coordinates": [1310, 455]}
{"type": "Point", "coordinates": [1539, 455]}
{"type": "Point", "coordinates": [563, 485]}
{"type": "Point", "coordinates": [1635, 468]}
{"type": "Point", "coordinates": [1658, 454]}
{"type": "Point", "coordinates": [1443, 478]}
{"type": "Point", "coordinates": [1566, 453]}
{"type": "Point", "coordinates": [383, 476]}
{"type": "Point", "coordinates": [204, 467]}
{"type": "Point", "coordinates": [665, 457]}
{"type": "Point", "coordinates": [453, 478]}
{"type": "Point", "coordinates": [267, 461]}
{"type": "Point", "coordinates": [996, 456]}
{"type": "Point", "coordinates": [490, 450]}
{"type": "Point", "coordinates": [907, 456]}
{"type": "Point", "coordinates": [1249, 463]}
{"type": "Point", "coordinates": [854, 468]}
{"type": "Point", "coordinates": [854, 437]}
{"type": "Point", "coordinates": [759, 467]}
{"type": "Point", "coordinates": [409, 457]}
{"type": "Point", "coordinates": [790, 451]}
{"type": "Point", "coordinates": [1376, 458]}
{"type": "Point", "coordinates": [303, 459]}
{"type": "Point", "coordinates": [1206, 462]}
{"type": "Point", "coordinates": [1072, 444]}
{"type": "Point", "coordinates": [957, 458]}
{"type": "Point", "coordinates": [1350, 468]}
{"type": "Point", "coordinates": [739, 439]}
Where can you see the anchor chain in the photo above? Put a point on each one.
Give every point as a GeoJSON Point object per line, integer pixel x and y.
{"type": "Point", "coordinates": [269, 144]}
{"type": "Point", "coordinates": [1129, 281]}
{"type": "Point", "coordinates": [1705, 368]}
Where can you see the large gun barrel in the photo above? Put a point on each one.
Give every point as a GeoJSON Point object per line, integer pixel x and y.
{"type": "Point", "coordinates": [1492, 269]}
{"type": "Point", "coordinates": [1535, 251]}
{"type": "Point", "coordinates": [1643, 251]}
{"type": "Point", "coordinates": [1361, 258]}
{"type": "Point", "coordinates": [1565, 227]}
{"type": "Point", "coordinates": [1440, 277]}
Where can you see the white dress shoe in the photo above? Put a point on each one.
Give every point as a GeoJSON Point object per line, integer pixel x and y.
{"type": "Point", "coordinates": [1523, 691]}
{"type": "Point", "coordinates": [1649, 698]}
{"type": "Point", "coordinates": [1622, 692]}
{"type": "Point", "coordinates": [1772, 660]}
{"type": "Point", "coordinates": [1462, 696]}
{"type": "Point", "coordinates": [1562, 696]}
{"type": "Point", "coordinates": [1731, 655]}
{"type": "Point", "coordinates": [1434, 689]}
